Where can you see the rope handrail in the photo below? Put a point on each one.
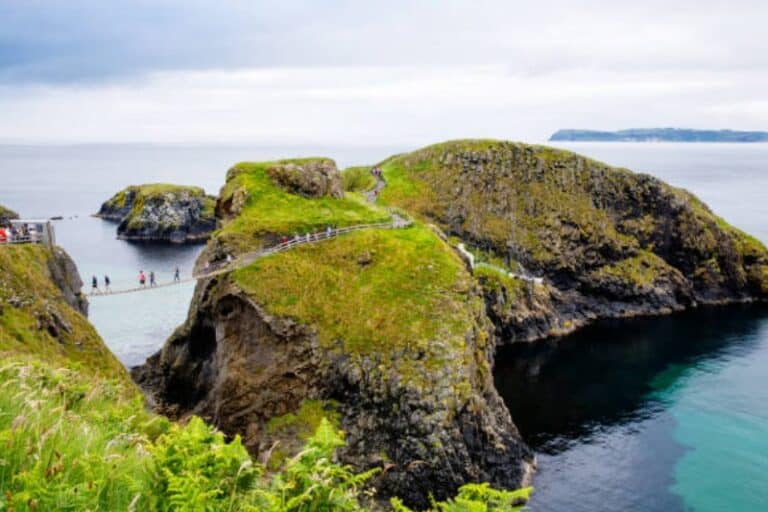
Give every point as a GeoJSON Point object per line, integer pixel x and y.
{"type": "Point", "coordinates": [397, 222]}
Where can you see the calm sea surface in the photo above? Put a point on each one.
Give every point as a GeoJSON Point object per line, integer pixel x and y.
{"type": "Point", "coordinates": [656, 414]}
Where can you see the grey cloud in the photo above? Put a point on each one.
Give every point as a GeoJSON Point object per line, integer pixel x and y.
{"type": "Point", "coordinates": [51, 41]}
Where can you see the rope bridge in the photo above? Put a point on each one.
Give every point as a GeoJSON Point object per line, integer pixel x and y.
{"type": "Point", "coordinates": [246, 259]}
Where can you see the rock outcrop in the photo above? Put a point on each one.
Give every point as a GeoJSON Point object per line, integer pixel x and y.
{"type": "Point", "coordinates": [609, 242]}
{"type": "Point", "coordinates": [385, 330]}
{"type": "Point", "coordinates": [42, 313]}
{"type": "Point", "coordinates": [310, 178]}
{"type": "Point", "coordinates": [169, 213]}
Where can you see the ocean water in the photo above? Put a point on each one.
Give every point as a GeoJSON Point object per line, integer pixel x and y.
{"type": "Point", "coordinates": [658, 414]}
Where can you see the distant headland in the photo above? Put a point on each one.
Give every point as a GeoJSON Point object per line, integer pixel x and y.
{"type": "Point", "coordinates": [659, 135]}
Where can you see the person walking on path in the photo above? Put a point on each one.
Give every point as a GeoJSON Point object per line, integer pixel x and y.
{"type": "Point", "coordinates": [142, 279]}
{"type": "Point", "coordinates": [328, 231]}
{"type": "Point", "coordinates": [176, 275]}
{"type": "Point", "coordinates": [107, 283]}
{"type": "Point", "coordinates": [152, 282]}
{"type": "Point", "coordinates": [94, 285]}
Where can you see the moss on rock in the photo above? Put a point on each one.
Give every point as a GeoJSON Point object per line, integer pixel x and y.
{"type": "Point", "coordinates": [609, 242]}
{"type": "Point", "coordinates": [388, 325]}
{"type": "Point", "coordinates": [161, 212]}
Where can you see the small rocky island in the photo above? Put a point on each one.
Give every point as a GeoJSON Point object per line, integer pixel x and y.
{"type": "Point", "coordinates": [161, 212]}
{"type": "Point", "coordinates": [391, 335]}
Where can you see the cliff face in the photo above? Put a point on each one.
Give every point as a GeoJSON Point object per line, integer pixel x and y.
{"type": "Point", "coordinates": [382, 331]}
{"type": "Point", "coordinates": [42, 314]}
{"type": "Point", "coordinates": [608, 242]}
{"type": "Point", "coordinates": [161, 213]}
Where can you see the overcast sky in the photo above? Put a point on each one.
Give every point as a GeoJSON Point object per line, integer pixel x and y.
{"type": "Point", "coordinates": [364, 72]}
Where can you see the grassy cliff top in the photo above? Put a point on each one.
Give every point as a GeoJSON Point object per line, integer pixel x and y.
{"type": "Point", "coordinates": [401, 295]}
{"type": "Point", "coordinates": [37, 322]}
{"type": "Point", "coordinates": [259, 207]}
{"type": "Point", "coordinates": [560, 211]}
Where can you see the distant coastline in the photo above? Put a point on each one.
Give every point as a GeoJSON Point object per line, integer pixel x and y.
{"type": "Point", "coordinates": [659, 135]}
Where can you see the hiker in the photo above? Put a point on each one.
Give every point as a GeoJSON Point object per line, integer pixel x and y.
{"type": "Point", "coordinates": [107, 283]}
{"type": "Point", "coordinates": [206, 267]}
{"type": "Point", "coordinates": [328, 231]}
{"type": "Point", "coordinates": [309, 236]}
{"type": "Point", "coordinates": [229, 259]}
{"type": "Point", "coordinates": [285, 240]}
{"type": "Point", "coordinates": [152, 282]}
{"type": "Point", "coordinates": [176, 275]}
{"type": "Point", "coordinates": [94, 285]}
{"type": "Point", "coordinates": [142, 279]}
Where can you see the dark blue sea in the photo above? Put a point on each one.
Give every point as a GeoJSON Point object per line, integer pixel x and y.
{"type": "Point", "coordinates": [659, 414]}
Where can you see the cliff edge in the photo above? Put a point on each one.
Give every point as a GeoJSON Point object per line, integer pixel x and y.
{"type": "Point", "coordinates": [606, 241]}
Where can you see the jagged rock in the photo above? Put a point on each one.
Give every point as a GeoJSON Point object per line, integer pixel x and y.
{"type": "Point", "coordinates": [67, 278]}
{"type": "Point", "coordinates": [313, 178]}
{"type": "Point", "coordinates": [609, 242]}
{"type": "Point", "coordinates": [419, 402]}
{"type": "Point", "coordinates": [238, 366]}
{"type": "Point", "coordinates": [161, 213]}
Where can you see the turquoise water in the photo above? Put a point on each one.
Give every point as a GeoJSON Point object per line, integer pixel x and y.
{"type": "Point", "coordinates": [659, 414]}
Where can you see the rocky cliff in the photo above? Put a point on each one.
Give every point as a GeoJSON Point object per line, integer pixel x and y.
{"type": "Point", "coordinates": [161, 212]}
{"type": "Point", "coordinates": [608, 242]}
{"type": "Point", "coordinates": [382, 331]}
{"type": "Point", "coordinates": [42, 313]}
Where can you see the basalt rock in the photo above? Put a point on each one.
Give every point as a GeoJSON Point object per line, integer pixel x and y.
{"type": "Point", "coordinates": [238, 367]}
{"type": "Point", "coordinates": [608, 242]}
{"type": "Point", "coordinates": [313, 178]}
{"type": "Point", "coordinates": [418, 403]}
{"type": "Point", "coordinates": [161, 213]}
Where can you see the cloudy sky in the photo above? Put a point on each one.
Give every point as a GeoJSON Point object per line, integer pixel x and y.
{"type": "Point", "coordinates": [375, 72]}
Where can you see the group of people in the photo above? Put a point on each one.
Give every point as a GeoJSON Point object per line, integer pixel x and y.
{"type": "Point", "coordinates": [22, 233]}
{"type": "Point", "coordinates": [376, 171]}
{"type": "Point", "coordinates": [142, 281]}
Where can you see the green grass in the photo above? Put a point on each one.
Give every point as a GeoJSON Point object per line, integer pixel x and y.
{"type": "Point", "coordinates": [358, 179]}
{"type": "Point", "coordinates": [74, 442]}
{"type": "Point", "coordinates": [372, 292]}
{"type": "Point", "coordinates": [272, 210]}
{"type": "Point", "coordinates": [25, 280]}
{"type": "Point", "coordinates": [641, 270]}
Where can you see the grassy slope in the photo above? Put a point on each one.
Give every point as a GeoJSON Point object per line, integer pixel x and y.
{"type": "Point", "coordinates": [25, 278]}
{"type": "Point", "coordinates": [358, 179]}
{"type": "Point", "coordinates": [271, 210]}
{"type": "Point", "coordinates": [545, 194]}
{"type": "Point", "coordinates": [412, 293]}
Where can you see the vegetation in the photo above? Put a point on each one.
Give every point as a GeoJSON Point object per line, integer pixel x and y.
{"type": "Point", "coordinates": [269, 209]}
{"type": "Point", "coordinates": [380, 291]}
{"type": "Point", "coordinates": [555, 210]}
{"type": "Point", "coordinates": [358, 179]}
{"type": "Point", "coordinates": [74, 442]}
{"type": "Point", "coordinates": [477, 498]}
{"type": "Point", "coordinates": [35, 319]}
